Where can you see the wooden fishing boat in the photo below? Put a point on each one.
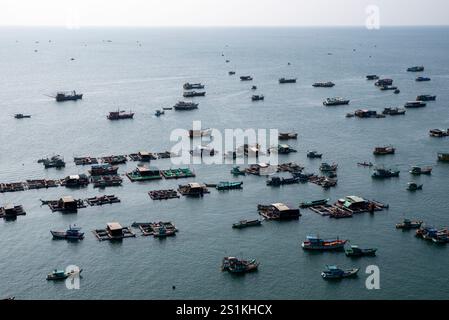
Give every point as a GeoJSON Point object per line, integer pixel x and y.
{"type": "Point", "coordinates": [246, 223]}
{"type": "Point", "coordinates": [235, 265]}
{"type": "Point", "coordinates": [355, 251]}
{"type": "Point", "coordinates": [318, 244]}
{"type": "Point", "coordinates": [408, 224]}
{"type": "Point", "coordinates": [72, 233]}
{"type": "Point", "coordinates": [333, 272]}
{"type": "Point", "coordinates": [225, 185]}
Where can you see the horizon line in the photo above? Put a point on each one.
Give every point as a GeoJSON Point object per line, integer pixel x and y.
{"type": "Point", "coordinates": [226, 26]}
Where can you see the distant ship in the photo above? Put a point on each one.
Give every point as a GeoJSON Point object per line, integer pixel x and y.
{"type": "Point", "coordinates": [181, 106]}
{"type": "Point", "coordinates": [190, 86]}
{"type": "Point", "coordinates": [328, 84]}
{"type": "Point", "coordinates": [284, 80]}
{"type": "Point", "coordinates": [191, 94]}
{"type": "Point", "coordinates": [246, 78]}
{"type": "Point", "coordinates": [335, 101]}
{"type": "Point", "coordinates": [416, 69]}
{"type": "Point", "coordinates": [67, 96]}
{"type": "Point", "coordinates": [119, 115]}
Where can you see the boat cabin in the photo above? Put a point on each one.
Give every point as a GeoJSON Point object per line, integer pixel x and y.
{"type": "Point", "coordinates": [115, 229]}
{"type": "Point", "coordinates": [80, 180]}
{"type": "Point", "coordinates": [67, 203]}
{"type": "Point", "coordinates": [145, 156]}
{"type": "Point", "coordinates": [278, 211]}
{"type": "Point", "coordinates": [193, 189]}
{"type": "Point", "coordinates": [354, 203]}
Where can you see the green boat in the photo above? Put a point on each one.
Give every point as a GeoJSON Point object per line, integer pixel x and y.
{"type": "Point", "coordinates": [237, 171]}
{"type": "Point", "coordinates": [314, 203]}
{"type": "Point", "coordinates": [246, 223]}
{"type": "Point", "coordinates": [355, 251]}
{"type": "Point", "coordinates": [224, 185]}
{"type": "Point", "coordinates": [143, 174]}
{"type": "Point", "coordinates": [178, 173]}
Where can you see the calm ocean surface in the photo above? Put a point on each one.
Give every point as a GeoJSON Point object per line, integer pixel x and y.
{"type": "Point", "coordinates": [123, 74]}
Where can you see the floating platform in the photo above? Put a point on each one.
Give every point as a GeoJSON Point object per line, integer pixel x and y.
{"type": "Point", "coordinates": [102, 200]}
{"type": "Point", "coordinates": [177, 173]}
{"type": "Point", "coordinates": [349, 206]}
{"type": "Point", "coordinates": [65, 204]}
{"type": "Point", "coordinates": [42, 183]}
{"type": "Point", "coordinates": [83, 161]}
{"type": "Point", "coordinates": [119, 159]}
{"type": "Point", "coordinates": [163, 194]}
{"type": "Point", "coordinates": [107, 181]}
{"type": "Point", "coordinates": [113, 231]}
{"type": "Point", "coordinates": [12, 187]}
{"type": "Point", "coordinates": [11, 211]}
{"type": "Point", "coordinates": [156, 229]}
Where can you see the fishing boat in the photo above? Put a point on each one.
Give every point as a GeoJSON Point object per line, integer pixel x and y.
{"type": "Point", "coordinates": [438, 133]}
{"type": "Point", "coordinates": [103, 169]}
{"type": "Point", "coordinates": [191, 94]}
{"type": "Point", "coordinates": [231, 73]}
{"type": "Point", "coordinates": [225, 185]}
{"type": "Point", "coordinates": [284, 80]}
{"type": "Point", "coordinates": [278, 181]}
{"type": "Point", "coordinates": [314, 203]}
{"type": "Point", "coordinates": [54, 162]}
{"type": "Point", "coordinates": [120, 115]}
{"type": "Point", "coordinates": [379, 151]}
{"type": "Point", "coordinates": [335, 101]}
{"type": "Point", "coordinates": [246, 223]}
{"type": "Point", "coordinates": [422, 79]}
{"type": "Point", "coordinates": [388, 88]}
{"type": "Point", "coordinates": [316, 243]}
{"type": "Point", "coordinates": [325, 167]}
{"type": "Point", "coordinates": [415, 69]}
{"type": "Point", "coordinates": [191, 86]}
{"type": "Point", "coordinates": [394, 111]}
{"type": "Point", "coordinates": [415, 104]}
{"type": "Point", "coordinates": [254, 88]}
{"type": "Point", "coordinates": [365, 164]}
{"type": "Point", "coordinates": [183, 106]}
{"type": "Point", "coordinates": [418, 170]}
{"type": "Point", "coordinates": [408, 224]}
{"type": "Point", "coordinates": [21, 116]}
{"type": "Point", "coordinates": [426, 97]}
{"type": "Point", "coordinates": [72, 233]}
{"type": "Point", "coordinates": [237, 171]}
{"type": "Point", "coordinates": [328, 84]}
{"type": "Point", "coordinates": [246, 78]}
{"type": "Point", "coordinates": [287, 136]}
{"type": "Point", "coordinates": [372, 77]}
{"type": "Point", "coordinates": [333, 272]}
{"type": "Point", "coordinates": [381, 173]}
{"type": "Point", "coordinates": [158, 113]}
{"type": "Point", "coordinates": [61, 275]}
{"type": "Point", "coordinates": [355, 251]}
{"type": "Point", "coordinates": [412, 186]}
{"type": "Point", "coordinates": [67, 96]}
{"type": "Point", "coordinates": [383, 82]}
{"type": "Point", "coordinates": [257, 97]}
{"type": "Point", "coordinates": [444, 157]}
{"type": "Point", "coordinates": [235, 265]}
{"type": "Point", "coordinates": [314, 154]}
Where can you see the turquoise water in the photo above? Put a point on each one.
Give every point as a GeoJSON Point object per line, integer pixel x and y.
{"type": "Point", "coordinates": [123, 74]}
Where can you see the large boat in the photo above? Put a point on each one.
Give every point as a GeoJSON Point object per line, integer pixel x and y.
{"type": "Point", "coordinates": [67, 96]}
{"type": "Point", "coordinates": [328, 84]}
{"type": "Point", "coordinates": [191, 94]}
{"type": "Point", "coordinates": [314, 203]}
{"type": "Point", "coordinates": [235, 265]}
{"type": "Point", "coordinates": [415, 104]}
{"type": "Point", "coordinates": [246, 78]}
{"type": "Point", "coordinates": [61, 275]}
{"type": "Point", "coordinates": [416, 69]}
{"type": "Point", "coordinates": [284, 80]}
{"type": "Point", "coordinates": [246, 223]}
{"type": "Point", "coordinates": [382, 173]}
{"type": "Point", "coordinates": [72, 233]}
{"type": "Point", "coordinates": [333, 272]}
{"type": "Point", "coordinates": [315, 243]}
{"type": "Point", "coordinates": [182, 106]}
{"type": "Point", "coordinates": [191, 86]}
{"type": "Point", "coordinates": [426, 97]}
{"type": "Point", "coordinates": [355, 251]}
{"type": "Point", "coordinates": [408, 224]}
{"type": "Point", "coordinates": [379, 151]}
{"type": "Point", "coordinates": [394, 111]}
{"type": "Point", "coordinates": [418, 170]}
{"type": "Point", "coordinates": [120, 114]}
{"type": "Point", "coordinates": [422, 79]}
{"type": "Point", "coordinates": [335, 101]}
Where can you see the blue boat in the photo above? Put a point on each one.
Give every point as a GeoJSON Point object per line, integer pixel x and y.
{"type": "Point", "coordinates": [333, 272]}
{"type": "Point", "coordinates": [420, 79]}
{"type": "Point", "coordinates": [73, 233]}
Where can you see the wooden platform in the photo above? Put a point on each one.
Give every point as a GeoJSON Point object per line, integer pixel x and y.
{"type": "Point", "coordinates": [104, 234]}
{"type": "Point", "coordinates": [163, 194]}
{"type": "Point", "coordinates": [102, 200]}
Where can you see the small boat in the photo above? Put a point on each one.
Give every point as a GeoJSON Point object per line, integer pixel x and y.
{"type": "Point", "coordinates": [246, 223]}
{"type": "Point", "coordinates": [438, 133]}
{"type": "Point", "coordinates": [444, 157]}
{"type": "Point", "coordinates": [120, 114]}
{"type": "Point", "coordinates": [287, 136]}
{"type": "Point", "coordinates": [335, 101]}
{"type": "Point", "coordinates": [254, 88]}
{"type": "Point", "coordinates": [372, 77]}
{"type": "Point", "coordinates": [325, 167]}
{"type": "Point", "coordinates": [397, 91]}
{"type": "Point", "coordinates": [158, 113]}
{"type": "Point", "coordinates": [379, 151]}
{"type": "Point", "coordinates": [191, 94]}
{"type": "Point", "coordinates": [237, 171]}
{"type": "Point", "coordinates": [314, 154]}
{"type": "Point", "coordinates": [415, 104]}
{"type": "Point", "coordinates": [235, 265]}
{"type": "Point", "coordinates": [422, 79]}
{"type": "Point", "coordinates": [21, 116]}
{"type": "Point", "coordinates": [382, 173]}
{"type": "Point", "coordinates": [72, 233]}
{"type": "Point", "coordinates": [365, 164]}
{"type": "Point", "coordinates": [224, 185]}
{"type": "Point", "coordinates": [284, 80]}
{"type": "Point", "coordinates": [315, 243]}
{"type": "Point", "coordinates": [278, 181]}
{"type": "Point", "coordinates": [383, 82]}
{"type": "Point", "coordinates": [350, 115]}
{"type": "Point", "coordinates": [426, 97]}
{"type": "Point", "coordinates": [246, 78]}
{"type": "Point", "coordinates": [328, 84]}
{"type": "Point", "coordinates": [418, 170]}
{"type": "Point", "coordinates": [61, 275]}
{"type": "Point", "coordinates": [231, 73]}
{"type": "Point", "coordinates": [415, 69]}
{"type": "Point", "coordinates": [412, 186]}
{"type": "Point", "coordinates": [163, 232]}
{"type": "Point", "coordinates": [257, 97]}
{"type": "Point", "coordinates": [388, 88]}
{"type": "Point", "coordinates": [191, 86]}
{"type": "Point", "coordinates": [182, 106]}
{"type": "Point", "coordinates": [394, 111]}
{"type": "Point", "coordinates": [333, 272]}
{"type": "Point", "coordinates": [408, 224]}
{"type": "Point", "coordinates": [309, 204]}
{"type": "Point", "coordinates": [355, 251]}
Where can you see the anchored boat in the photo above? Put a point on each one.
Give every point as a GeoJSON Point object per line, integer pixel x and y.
{"type": "Point", "coordinates": [67, 96]}
{"type": "Point", "coordinates": [408, 224]}
{"type": "Point", "coordinates": [315, 243]}
{"type": "Point", "coordinates": [235, 265]}
{"type": "Point", "coordinates": [246, 223]}
{"type": "Point", "coordinates": [355, 251]}
{"type": "Point", "coordinates": [333, 272]}
{"type": "Point", "coordinates": [335, 101]}
{"type": "Point", "coordinates": [72, 233]}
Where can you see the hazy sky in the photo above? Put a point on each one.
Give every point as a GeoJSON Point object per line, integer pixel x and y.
{"type": "Point", "coordinates": [220, 12]}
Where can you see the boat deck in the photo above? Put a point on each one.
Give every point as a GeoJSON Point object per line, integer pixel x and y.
{"type": "Point", "coordinates": [177, 173]}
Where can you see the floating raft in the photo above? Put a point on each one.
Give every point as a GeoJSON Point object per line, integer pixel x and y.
{"type": "Point", "coordinates": [346, 208]}
{"type": "Point", "coordinates": [106, 181]}
{"type": "Point", "coordinates": [82, 161]}
{"type": "Point", "coordinates": [290, 167]}
{"type": "Point", "coordinates": [177, 173]}
{"type": "Point", "coordinates": [10, 211]}
{"type": "Point", "coordinates": [120, 159]}
{"type": "Point", "coordinates": [42, 183]}
{"type": "Point", "coordinates": [163, 194]}
{"type": "Point", "coordinates": [113, 231]}
{"type": "Point", "coordinates": [65, 204]}
{"type": "Point", "coordinates": [153, 228]}
{"type": "Point", "coordinates": [12, 187]}
{"type": "Point", "coordinates": [101, 200]}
